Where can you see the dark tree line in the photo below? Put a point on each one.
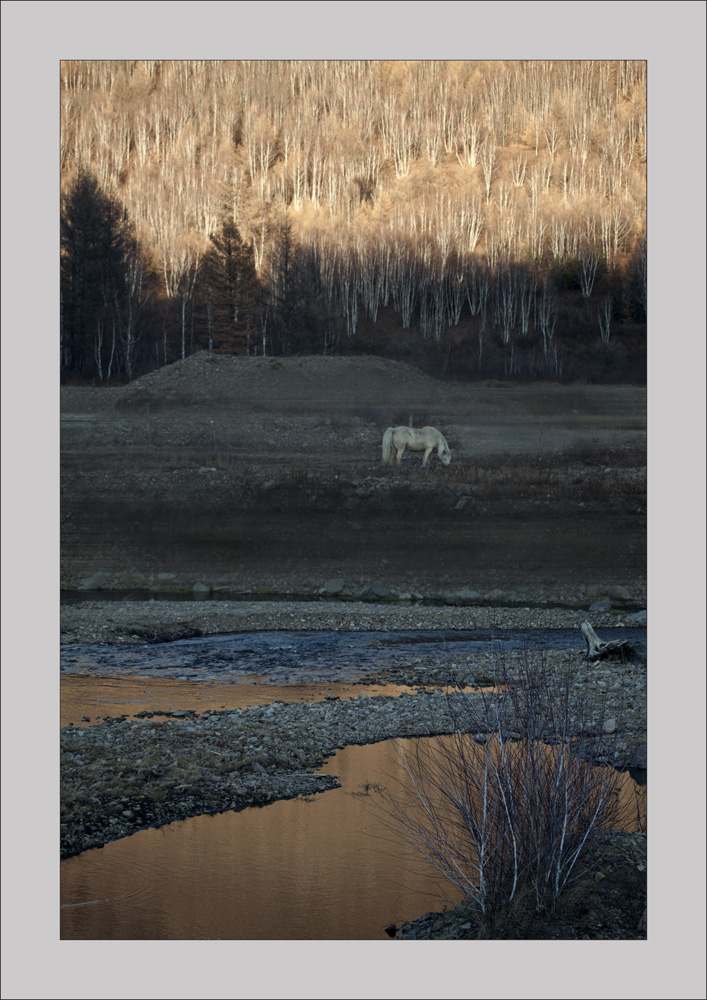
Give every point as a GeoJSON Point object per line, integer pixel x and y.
{"type": "Point", "coordinates": [464, 315]}
{"type": "Point", "coordinates": [115, 325]}
{"type": "Point", "coordinates": [105, 285]}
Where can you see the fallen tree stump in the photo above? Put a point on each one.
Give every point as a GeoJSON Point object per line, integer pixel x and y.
{"type": "Point", "coordinates": [597, 649]}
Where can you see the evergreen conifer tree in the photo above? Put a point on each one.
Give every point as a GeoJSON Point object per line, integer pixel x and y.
{"type": "Point", "coordinates": [99, 255]}
{"type": "Point", "coordinates": [229, 283]}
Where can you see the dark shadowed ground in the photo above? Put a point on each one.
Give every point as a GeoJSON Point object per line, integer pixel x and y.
{"type": "Point", "coordinates": [253, 474]}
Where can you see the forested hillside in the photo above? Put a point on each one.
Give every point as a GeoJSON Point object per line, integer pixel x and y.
{"type": "Point", "coordinates": [475, 219]}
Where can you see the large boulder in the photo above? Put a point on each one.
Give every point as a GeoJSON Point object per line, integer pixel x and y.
{"type": "Point", "coordinates": [603, 604]}
{"type": "Point", "coordinates": [462, 597]}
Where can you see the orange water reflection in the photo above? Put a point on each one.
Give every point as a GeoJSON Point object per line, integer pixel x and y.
{"type": "Point", "coordinates": [298, 869]}
{"type": "Point", "coordinates": [93, 698]}
{"type": "Point", "coordinates": [295, 869]}
{"type": "Point", "coordinates": [318, 869]}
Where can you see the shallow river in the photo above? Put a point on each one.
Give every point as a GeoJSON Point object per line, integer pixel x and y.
{"type": "Point", "coordinates": [298, 869]}
{"type": "Point", "coordinates": [308, 657]}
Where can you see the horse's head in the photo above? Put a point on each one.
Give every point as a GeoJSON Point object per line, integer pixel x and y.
{"type": "Point", "coordinates": [445, 456]}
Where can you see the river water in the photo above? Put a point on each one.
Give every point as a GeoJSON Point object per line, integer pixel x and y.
{"type": "Point", "coordinates": [308, 657]}
{"type": "Point", "coordinates": [295, 869]}
{"type": "Point", "coordinates": [298, 869]}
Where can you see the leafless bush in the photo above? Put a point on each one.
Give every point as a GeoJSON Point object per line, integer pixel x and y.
{"type": "Point", "coordinates": [504, 808]}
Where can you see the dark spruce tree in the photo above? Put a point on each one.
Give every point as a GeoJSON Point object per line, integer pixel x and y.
{"type": "Point", "coordinates": [229, 286]}
{"type": "Point", "coordinates": [296, 318]}
{"type": "Point", "coordinates": [104, 284]}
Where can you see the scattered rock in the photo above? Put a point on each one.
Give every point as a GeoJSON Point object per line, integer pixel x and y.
{"type": "Point", "coordinates": [638, 757]}
{"type": "Point", "coordinates": [269, 751]}
{"type": "Point", "coordinates": [603, 604]}
{"type": "Point", "coordinates": [462, 597]}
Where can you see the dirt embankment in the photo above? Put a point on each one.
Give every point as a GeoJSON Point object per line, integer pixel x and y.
{"type": "Point", "coordinates": [246, 474]}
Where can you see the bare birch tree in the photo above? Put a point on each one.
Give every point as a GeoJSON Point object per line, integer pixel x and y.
{"type": "Point", "coordinates": [488, 163]}
{"type": "Point", "coordinates": [604, 314]}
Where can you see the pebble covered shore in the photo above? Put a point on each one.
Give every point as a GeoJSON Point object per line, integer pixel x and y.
{"type": "Point", "coordinates": [162, 621]}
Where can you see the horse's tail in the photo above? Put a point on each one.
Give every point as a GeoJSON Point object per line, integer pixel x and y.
{"type": "Point", "coordinates": [387, 445]}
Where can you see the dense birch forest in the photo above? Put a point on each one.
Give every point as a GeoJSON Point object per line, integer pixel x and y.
{"type": "Point", "coordinates": [474, 218]}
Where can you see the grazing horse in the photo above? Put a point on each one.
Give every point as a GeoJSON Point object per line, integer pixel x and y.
{"type": "Point", "coordinates": [425, 439]}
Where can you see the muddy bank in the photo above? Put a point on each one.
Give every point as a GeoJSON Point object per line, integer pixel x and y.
{"type": "Point", "coordinates": [219, 475]}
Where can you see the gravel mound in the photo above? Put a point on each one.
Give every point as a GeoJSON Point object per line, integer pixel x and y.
{"type": "Point", "coordinates": [222, 377]}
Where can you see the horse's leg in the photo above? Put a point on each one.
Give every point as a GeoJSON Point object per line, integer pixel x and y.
{"type": "Point", "coordinates": [399, 453]}
{"type": "Point", "coordinates": [428, 452]}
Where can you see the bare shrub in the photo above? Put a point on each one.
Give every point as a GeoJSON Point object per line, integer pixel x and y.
{"type": "Point", "coordinates": [505, 807]}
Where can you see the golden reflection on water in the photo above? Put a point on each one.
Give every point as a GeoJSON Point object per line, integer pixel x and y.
{"type": "Point", "coordinates": [322, 868]}
{"type": "Point", "coordinates": [293, 870]}
{"type": "Point", "coordinates": [299, 869]}
{"type": "Point", "coordinates": [93, 698]}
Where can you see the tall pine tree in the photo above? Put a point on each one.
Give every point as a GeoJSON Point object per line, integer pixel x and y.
{"type": "Point", "coordinates": [229, 285]}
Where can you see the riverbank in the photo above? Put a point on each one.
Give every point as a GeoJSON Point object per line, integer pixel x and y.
{"type": "Point", "coordinates": [164, 621]}
{"type": "Point", "coordinates": [127, 774]}
{"type": "Point", "coordinates": [608, 905]}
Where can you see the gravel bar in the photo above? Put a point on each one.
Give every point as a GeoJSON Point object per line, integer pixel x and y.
{"type": "Point", "coordinates": [164, 621]}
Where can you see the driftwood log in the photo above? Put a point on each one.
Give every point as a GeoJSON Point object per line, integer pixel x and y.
{"type": "Point", "coordinates": [597, 649]}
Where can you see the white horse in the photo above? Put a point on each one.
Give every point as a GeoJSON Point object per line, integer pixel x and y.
{"type": "Point", "coordinates": [425, 439]}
